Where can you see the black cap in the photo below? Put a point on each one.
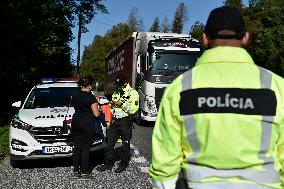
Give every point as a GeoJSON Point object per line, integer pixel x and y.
{"type": "Point", "coordinates": [120, 80]}
{"type": "Point", "coordinates": [85, 81]}
{"type": "Point", "coordinates": [225, 18]}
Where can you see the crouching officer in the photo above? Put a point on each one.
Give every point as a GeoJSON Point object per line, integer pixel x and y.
{"type": "Point", "coordinates": [125, 102]}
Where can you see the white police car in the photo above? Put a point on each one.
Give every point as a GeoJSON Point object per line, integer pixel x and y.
{"type": "Point", "coordinates": [37, 130]}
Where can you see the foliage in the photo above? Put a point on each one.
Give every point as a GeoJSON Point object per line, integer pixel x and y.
{"type": "Point", "coordinates": [84, 11]}
{"type": "Point", "coordinates": [252, 2]}
{"type": "Point", "coordinates": [265, 22]}
{"type": "Point", "coordinates": [166, 27]}
{"type": "Point", "coordinates": [135, 22]}
{"type": "Point", "coordinates": [180, 18]}
{"type": "Point", "coordinates": [4, 141]}
{"type": "Point", "coordinates": [155, 26]}
{"type": "Point", "coordinates": [34, 43]}
{"type": "Point", "coordinates": [234, 3]}
{"type": "Point", "coordinates": [197, 30]}
{"type": "Point", "coordinates": [93, 61]}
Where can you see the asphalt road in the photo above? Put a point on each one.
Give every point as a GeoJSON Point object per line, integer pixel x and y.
{"type": "Point", "coordinates": [57, 173]}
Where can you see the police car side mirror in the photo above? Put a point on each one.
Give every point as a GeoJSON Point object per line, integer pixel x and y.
{"type": "Point", "coordinates": [17, 104]}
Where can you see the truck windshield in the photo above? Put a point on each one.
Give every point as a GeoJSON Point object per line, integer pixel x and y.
{"type": "Point", "coordinates": [50, 97]}
{"type": "Point", "coordinates": [172, 60]}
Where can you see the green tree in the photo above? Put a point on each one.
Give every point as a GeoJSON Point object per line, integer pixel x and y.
{"type": "Point", "coordinates": [135, 21]}
{"type": "Point", "coordinates": [83, 11]}
{"type": "Point", "coordinates": [197, 30]}
{"type": "Point", "coordinates": [34, 43]}
{"type": "Point", "coordinates": [234, 3]}
{"type": "Point", "coordinates": [180, 18]}
{"type": "Point", "coordinates": [155, 26]}
{"type": "Point", "coordinates": [93, 60]}
{"type": "Point", "coordinates": [252, 2]}
{"type": "Point", "coordinates": [166, 27]}
{"type": "Point", "coordinates": [265, 22]}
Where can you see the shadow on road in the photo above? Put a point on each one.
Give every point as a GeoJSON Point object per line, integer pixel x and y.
{"type": "Point", "coordinates": [145, 124]}
{"type": "Point", "coordinates": [95, 159]}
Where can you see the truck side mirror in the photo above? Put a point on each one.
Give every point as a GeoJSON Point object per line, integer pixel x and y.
{"type": "Point", "coordinates": [138, 66]}
{"type": "Point", "coordinates": [17, 104]}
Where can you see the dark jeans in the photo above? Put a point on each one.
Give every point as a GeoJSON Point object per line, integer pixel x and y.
{"type": "Point", "coordinates": [83, 139]}
{"type": "Point", "coordinates": [119, 128]}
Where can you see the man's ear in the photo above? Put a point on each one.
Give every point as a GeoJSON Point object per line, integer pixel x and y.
{"type": "Point", "coordinates": [205, 40]}
{"type": "Point", "coordinates": [245, 39]}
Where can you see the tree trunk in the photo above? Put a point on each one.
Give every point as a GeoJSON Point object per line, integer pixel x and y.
{"type": "Point", "coordinates": [79, 43]}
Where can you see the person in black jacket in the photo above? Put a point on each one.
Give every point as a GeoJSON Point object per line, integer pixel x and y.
{"type": "Point", "coordinates": [83, 127]}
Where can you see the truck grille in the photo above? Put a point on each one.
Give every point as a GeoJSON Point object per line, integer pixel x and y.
{"type": "Point", "coordinates": [49, 135]}
{"type": "Point", "coordinates": [158, 95]}
{"type": "Point", "coordinates": [157, 101]}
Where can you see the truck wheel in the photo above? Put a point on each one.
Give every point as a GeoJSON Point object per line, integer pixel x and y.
{"type": "Point", "coordinates": [13, 163]}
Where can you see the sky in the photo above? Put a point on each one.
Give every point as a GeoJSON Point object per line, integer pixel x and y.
{"type": "Point", "coordinates": [148, 10]}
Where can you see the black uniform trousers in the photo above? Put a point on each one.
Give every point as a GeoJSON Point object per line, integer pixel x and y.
{"type": "Point", "coordinates": [119, 128]}
{"type": "Point", "coordinates": [83, 137]}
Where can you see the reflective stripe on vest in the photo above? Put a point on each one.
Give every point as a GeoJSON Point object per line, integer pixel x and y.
{"type": "Point", "coordinates": [229, 185]}
{"type": "Point", "coordinates": [169, 184]}
{"type": "Point", "coordinates": [128, 105]}
{"type": "Point", "coordinates": [119, 113]}
{"type": "Point", "coordinates": [266, 123]}
{"type": "Point", "coordinates": [195, 172]}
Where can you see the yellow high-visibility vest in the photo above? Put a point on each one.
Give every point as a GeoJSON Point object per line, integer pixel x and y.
{"type": "Point", "coordinates": [221, 125]}
{"type": "Point", "coordinates": [129, 100]}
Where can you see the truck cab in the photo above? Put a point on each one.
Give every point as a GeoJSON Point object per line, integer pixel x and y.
{"type": "Point", "coordinates": [151, 61]}
{"type": "Point", "coordinates": [161, 59]}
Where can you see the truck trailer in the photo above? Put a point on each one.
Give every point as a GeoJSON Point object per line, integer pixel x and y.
{"type": "Point", "coordinates": [150, 61]}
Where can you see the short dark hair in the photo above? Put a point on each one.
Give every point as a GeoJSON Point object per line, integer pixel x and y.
{"type": "Point", "coordinates": [225, 18]}
{"type": "Point", "coordinates": [120, 80]}
{"type": "Point", "coordinates": [85, 81]}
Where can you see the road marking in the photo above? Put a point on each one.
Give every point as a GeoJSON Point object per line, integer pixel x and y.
{"type": "Point", "coordinates": [143, 163]}
{"type": "Point", "coordinates": [140, 159]}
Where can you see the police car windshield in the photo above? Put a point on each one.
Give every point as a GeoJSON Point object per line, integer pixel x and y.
{"type": "Point", "coordinates": [50, 97]}
{"type": "Point", "coordinates": [173, 60]}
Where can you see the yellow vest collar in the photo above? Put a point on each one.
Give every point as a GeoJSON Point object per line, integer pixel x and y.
{"type": "Point", "coordinates": [126, 88]}
{"type": "Point", "coordinates": [225, 54]}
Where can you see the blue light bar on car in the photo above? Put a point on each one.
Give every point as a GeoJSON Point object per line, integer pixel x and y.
{"type": "Point", "coordinates": [47, 80]}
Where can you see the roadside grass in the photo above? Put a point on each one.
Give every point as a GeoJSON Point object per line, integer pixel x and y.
{"type": "Point", "coordinates": [4, 141]}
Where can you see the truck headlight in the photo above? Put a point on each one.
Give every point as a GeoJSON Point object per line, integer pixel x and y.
{"type": "Point", "coordinates": [150, 102]}
{"type": "Point", "coordinates": [17, 123]}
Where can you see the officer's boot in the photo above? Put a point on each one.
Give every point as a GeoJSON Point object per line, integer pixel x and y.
{"type": "Point", "coordinates": [122, 167]}
{"type": "Point", "coordinates": [106, 166]}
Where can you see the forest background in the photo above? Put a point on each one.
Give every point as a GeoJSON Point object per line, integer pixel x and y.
{"type": "Point", "coordinates": [36, 35]}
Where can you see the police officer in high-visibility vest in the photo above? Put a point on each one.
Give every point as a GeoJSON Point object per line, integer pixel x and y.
{"type": "Point", "coordinates": [221, 124]}
{"type": "Point", "coordinates": [125, 102]}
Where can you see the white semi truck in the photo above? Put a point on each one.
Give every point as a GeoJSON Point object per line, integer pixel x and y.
{"type": "Point", "coordinates": [151, 61]}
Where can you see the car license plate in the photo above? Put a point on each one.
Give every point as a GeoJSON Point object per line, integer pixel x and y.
{"type": "Point", "coordinates": [56, 149]}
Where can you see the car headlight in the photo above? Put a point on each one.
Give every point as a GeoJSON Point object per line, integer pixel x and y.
{"type": "Point", "coordinates": [17, 123]}
{"type": "Point", "coordinates": [150, 102]}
